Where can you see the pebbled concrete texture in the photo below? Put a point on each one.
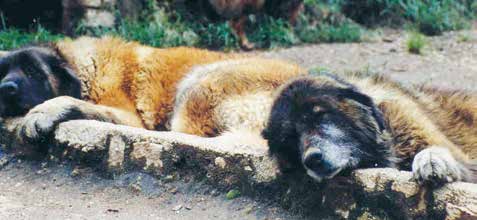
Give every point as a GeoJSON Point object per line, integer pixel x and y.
{"type": "Point", "coordinates": [225, 164]}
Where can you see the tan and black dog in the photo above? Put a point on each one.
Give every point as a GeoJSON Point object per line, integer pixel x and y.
{"type": "Point", "coordinates": [327, 125]}
{"type": "Point", "coordinates": [105, 79]}
{"type": "Point", "coordinates": [237, 11]}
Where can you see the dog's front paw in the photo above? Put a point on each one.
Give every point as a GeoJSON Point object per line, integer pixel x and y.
{"type": "Point", "coordinates": [41, 121]}
{"type": "Point", "coordinates": [436, 166]}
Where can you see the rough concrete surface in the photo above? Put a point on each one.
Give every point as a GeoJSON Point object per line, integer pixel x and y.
{"type": "Point", "coordinates": [140, 173]}
{"type": "Point", "coordinates": [229, 165]}
{"type": "Point", "coordinates": [383, 193]}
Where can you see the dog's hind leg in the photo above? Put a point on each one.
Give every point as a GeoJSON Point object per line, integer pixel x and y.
{"type": "Point", "coordinates": [238, 25]}
{"type": "Point", "coordinates": [296, 10]}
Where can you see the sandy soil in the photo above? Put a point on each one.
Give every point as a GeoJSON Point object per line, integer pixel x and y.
{"type": "Point", "coordinates": [35, 190]}
{"type": "Point", "coordinates": [38, 190]}
{"type": "Point", "coordinates": [448, 61]}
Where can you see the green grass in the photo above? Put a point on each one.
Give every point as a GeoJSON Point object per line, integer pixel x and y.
{"type": "Point", "coordinates": [157, 30]}
{"type": "Point", "coordinates": [464, 37]}
{"type": "Point", "coordinates": [233, 194]}
{"type": "Point", "coordinates": [272, 33]}
{"type": "Point", "coordinates": [216, 36]}
{"type": "Point", "coordinates": [431, 17]}
{"type": "Point", "coordinates": [165, 25]}
{"type": "Point", "coordinates": [264, 31]}
{"type": "Point", "coordinates": [162, 27]}
{"type": "Point", "coordinates": [347, 32]}
{"type": "Point", "coordinates": [13, 38]}
{"type": "Point", "coordinates": [435, 17]}
{"type": "Point", "coordinates": [416, 43]}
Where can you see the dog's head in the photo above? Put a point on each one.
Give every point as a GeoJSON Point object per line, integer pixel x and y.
{"type": "Point", "coordinates": [327, 127]}
{"type": "Point", "coordinates": [32, 75]}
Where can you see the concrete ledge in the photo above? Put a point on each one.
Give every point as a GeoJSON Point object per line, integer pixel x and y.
{"type": "Point", "coordinates": [366, 194]}
{"type": "Point", "coordinates": [162, 153]}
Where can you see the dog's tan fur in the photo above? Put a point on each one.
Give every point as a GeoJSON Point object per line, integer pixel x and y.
{"type": "Point", "coordinates": [239, 96]}
{"type": "Point", "coordinates": [230, 94]}
{"type": "Point", "coordinates": [131, 77]}
{"type": "Point", "coordinates": [421, 117]}
{"type": "Point", "coordinates": [122, 82]}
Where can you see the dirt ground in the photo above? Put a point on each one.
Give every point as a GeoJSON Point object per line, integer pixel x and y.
{"type": "Point", "coordinates": [448, 61]}
{"type": "Point", "coordinates": [36, 190]}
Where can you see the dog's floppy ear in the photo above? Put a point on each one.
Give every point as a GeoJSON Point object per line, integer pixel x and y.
{"type": "Point", "coordinates": [279, 125]}
{"type": "Point", "coordinates": [69, 84]}
{"type": "Point", "coordinates": [367, 101]}
{"type": "Point", "coordinates": [281, 134]}
{"type": "Point", "coordinates": [281, 131]}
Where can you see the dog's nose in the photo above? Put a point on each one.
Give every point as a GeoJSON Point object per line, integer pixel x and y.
{"type": "Point", "coordinates": [313, 159]}
{"type": "Point", "coordinates": [8, 89]}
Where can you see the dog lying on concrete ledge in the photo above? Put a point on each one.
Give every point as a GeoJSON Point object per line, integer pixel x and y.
{"type": "Point", "coordinates": [326, 125]}
{"type": "Point", "coordinates": [321, 124]}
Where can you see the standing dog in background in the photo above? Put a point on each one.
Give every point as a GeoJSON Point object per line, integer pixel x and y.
{"type": "Point", "coordinates": [236, 11]}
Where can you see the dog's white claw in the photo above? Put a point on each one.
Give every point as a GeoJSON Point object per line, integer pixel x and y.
{"type": "Point", "coordinates": [35, 126]}
{"type": "Point", "coordinates": [436, 165]}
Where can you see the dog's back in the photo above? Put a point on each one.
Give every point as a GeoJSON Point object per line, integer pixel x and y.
{"type": "Point", "coordinates": [229, 95]}
{"type": "Point", "coordinates": [131, 76]}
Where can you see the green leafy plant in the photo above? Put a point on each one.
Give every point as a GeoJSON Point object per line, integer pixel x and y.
{"type": "Point", "coordinates": [233, 194]}
{"type": "Point", "coordinates": [464, 37]}
{"type": "Point", "coordinates": [416, 43]}
{"type": "Point", "coordinates": [272, 33]}
{"type": "Point", "coordinates": [430, 17]}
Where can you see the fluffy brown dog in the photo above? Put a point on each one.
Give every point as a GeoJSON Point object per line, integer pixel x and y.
{"type": "Point", "coordinates": [105, 79]}
{"type": "Point", "coordinates": [327, 125]}
{"type": "Point", "coordinates": [321, 124]}
{"type": "Point", "coordinates": [237, 11]}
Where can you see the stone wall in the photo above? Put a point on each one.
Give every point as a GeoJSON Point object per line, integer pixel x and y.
{"type": "Point", "coordinates": [66, 15]}
{"type": "Point", "coordinates": [366, 194]}
{"type": "Point", "coordinates": [95, 13]}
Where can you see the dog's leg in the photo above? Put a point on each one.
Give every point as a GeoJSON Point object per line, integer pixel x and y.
{"type": "Point", "coordinates": [41, 121]}
{"type": "Point", "coordinates": [296, 10]}
{"type": "Point", "coordinates": [437, 165]}
{"type": "Point", "coordinates": [238, 25]}
{"type": "Point", "coordinates": [436, 159]}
